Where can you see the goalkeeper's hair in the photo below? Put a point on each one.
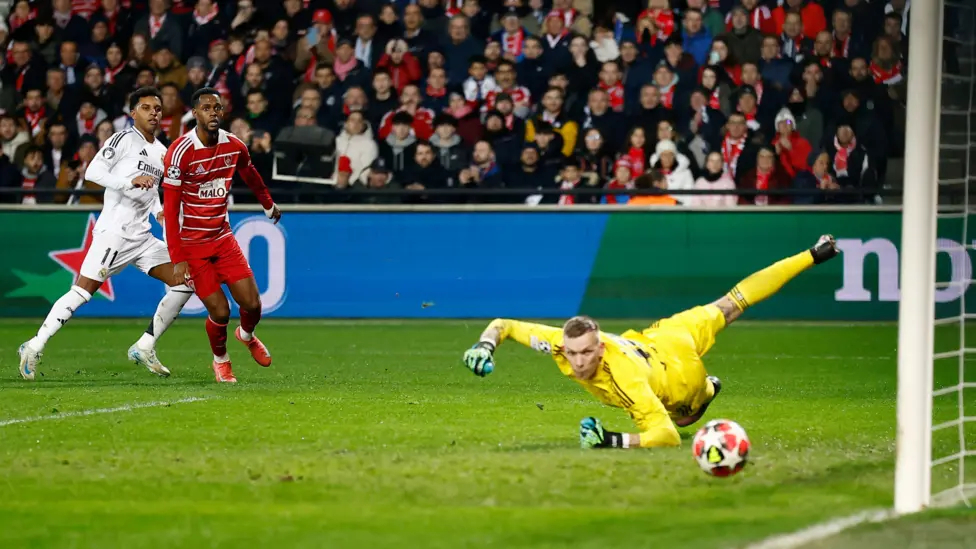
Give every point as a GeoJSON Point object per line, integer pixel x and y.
{"type": "Point", "coordinates": [580, 325]}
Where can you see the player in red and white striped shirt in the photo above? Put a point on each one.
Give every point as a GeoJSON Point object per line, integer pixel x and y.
{"type": "Point", "coordinates": [198, 170]}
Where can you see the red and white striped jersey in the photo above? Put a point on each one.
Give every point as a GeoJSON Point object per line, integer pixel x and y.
{"type": "Point", "coordinates": [204, 175]}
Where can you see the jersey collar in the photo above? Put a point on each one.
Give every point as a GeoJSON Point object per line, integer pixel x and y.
{"type": "Point", "coordinates": [197, 144]}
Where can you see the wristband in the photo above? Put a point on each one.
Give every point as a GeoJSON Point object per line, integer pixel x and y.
{"type": "Point", "coordinates": [484, 344]}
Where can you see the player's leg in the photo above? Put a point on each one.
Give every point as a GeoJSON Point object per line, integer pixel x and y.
{"type": "Point", "coordinates": [206, 284]}
{"type": "Point", "coordinates": [248, 298]}
{"type": "Point", "coordinates": [762, 284]}
{"type": "Point", "coordinates": [102, 261]}
{"type": "Point", "coordinates": [236, 273]}
{"type": "Point", "coordinates": [154, 261]}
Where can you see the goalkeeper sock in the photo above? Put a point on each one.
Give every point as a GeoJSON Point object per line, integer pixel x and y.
{"type": "Point", "coordinates": [218, 339]}
{"type": "Point", "coordinates": [60, 314]}
{"type": "Point", "coordinates": [249, 321]}
{"type": "Point", "coordinates": [166, 312]}
{"type": "Point", "coordinates": [768, 281]}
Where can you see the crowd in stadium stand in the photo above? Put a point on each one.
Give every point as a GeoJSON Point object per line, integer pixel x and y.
{"type": "Point", "coordinates": [441, 94]}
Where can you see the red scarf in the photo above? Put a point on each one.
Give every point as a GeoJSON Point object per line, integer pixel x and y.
{"type": "Point", "coordinates": [204, 19]}
{"type": "Point", "coordinates": [84, 8]}
{"type": "Point", "coordinates": [758, 86]}
{"type": "Point", "coordinates": [569, 17]}
{"type": "Point", "coordinates": [313, 62]}
{"type": "Point", "coordinates": [667, 97]}
{"type": "Point", "coordinates": [841, 46]}
{"type": "Point", "coordinates": [28, 183]}
{"type": "Point", "coordinates": [762, 184]}
{"type": "Point", "coordinates": [155, 24]}
{"type": "Point", "coordinates": [111, 73]}
{"type": "Point", "coordinates": [34, 119]}
{"type": "Point", "coordinates": [842, 157]}
{"type": "Point", "coordinates": [512, 42]}
{"type": "Point", "coordinates": [731, 150]}
{"type": "Point", "coordinates": [435, 92]}
{"type": "Point", "coordinates": [886, 76]}
{"type": "Point", "coordinates": [567, 199]}
{"type": "Point", "coordinates": [87, 126]}
{"type": "Point", "coordinates": [20, 77]}
{"type": "Point", "coordinates": [751, 121]}
{"type": "Point", "coordinates": [17, 22]}
{"type": "Point", "coordinates": [616, 93]}
{"type": "Point", "coordinates": [113, 18]}
{"type": "Point", "coordinates": [713, 101]}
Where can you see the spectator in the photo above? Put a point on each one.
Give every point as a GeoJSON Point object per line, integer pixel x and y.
{"type": "Point", "coordinates": [851, 163]}
{"type": "Point", "coordinates": [24, 73]}
{"type": "Point", "coordinates": [652, 181]}
{"type": "Point", "coordinates": [168, 69]}
{"type": "Point", "coordinates": [380, 184]}
{"type": "Point", "coordinates": [258, 115]}
{"type": "Point", "coordinates": [34, 113]}
{"type": "Point", "coordinates": [551, 112]}
{"type": "Point", "coordinates": [451, 152]}
{"type": "Point", "coordinates": [36, 176]}
{"type": "Point", "coordinates": [69, 26]}
{"type": "Point", "coordinates": [766, 176]}
{"type": "Point", "coordinates": [459, 49]}
{"type": "Point", "coordinates": [397, 149]}
{"type": "Point", "coordinates": [13, 139]}
{"type": "Point", "coordinates": [206, 26]}
{"type": "Point", "coordinates": [649, 110]}
{"type": "Point", "coordinates": [622, 179]}
{"type": "Point", "coordinates": [712, 20]}
{"type": "Point", "coordinates": [675, 167]}
{"type": "Point", "coordinates": [45, 42]}
{"type": "Point", "coordinates": [162, 28]}
{"type": "Point", "coordinates": [529, 174]}
{"type": "Point", "coordinates": [597, 114]}
{"type": "Point", "coordinates": [809, 17]}
{"type": "Point", "coordinates": [595, 157]}
{"type": "Point", "coordinates": [425, 173]}
{"type": "Point", "coordinates": [72, 174]}
{"type": "Point", "coordinates": [484, 172]}
{"type": "Point", "coordinates": [704, 129]}
{"type": "Point", "coordinates": [57, 100]}
{"type": "Point", "coordinates": [318, 45]}
{"type": "Point", "coordinates": [171, 123]}
{"type": "Point", "coordinates": [104, 131]}
{"type": "Point", "coordinates": [87, 118]}
{"type": "Point", "coordinates": [355, 149]}
{"type": "Point", "coordinates": [714, 178]}
{"type": "Point", "coordinates": [791, 148]}
{"type": "Point", "coordinates": [818, 178]}
{"type": "Point", "coordinates": [794, 44]}
{"type": "Point", "coordinates": [773, 67]}
{"type": "Point", "coordinates": [743, 40]}
{"type": "Point", "coordinates": [423, 119]}
{"type": "Point", "coordinates": [696, 39]}
{"type": "Point", "coordinates": [635, 150]}
{"type": "Point", "coordinates": [506, 143]}
{"type": "Point", "coordinates": [401, 65]}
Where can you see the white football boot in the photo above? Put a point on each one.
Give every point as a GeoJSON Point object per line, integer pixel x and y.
{"type": "Point", "coordinates": [29, 359]}
{"type": "Point", "coordinates": [148, 360]}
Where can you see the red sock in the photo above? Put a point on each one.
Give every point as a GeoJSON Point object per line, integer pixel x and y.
{"type": "Point", "coordinates": [218, 337]}
{"type": "Point", "coordinates": [250, 319]}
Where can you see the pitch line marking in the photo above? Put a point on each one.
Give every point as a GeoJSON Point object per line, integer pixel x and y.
{"type": "Point", "coordinates": [823, 530]}
{"type": "Point", "coordinates": [97, 411]}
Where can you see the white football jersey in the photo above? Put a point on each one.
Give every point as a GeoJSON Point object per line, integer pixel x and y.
{"type": "Point", "coordinates": [126, 209]}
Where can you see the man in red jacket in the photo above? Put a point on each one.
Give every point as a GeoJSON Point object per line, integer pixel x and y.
{"type": "Point", "coordinates": [793, 150]}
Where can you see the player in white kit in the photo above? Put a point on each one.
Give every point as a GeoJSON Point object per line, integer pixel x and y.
{"type": "Point", "coordinates": [130, 167]}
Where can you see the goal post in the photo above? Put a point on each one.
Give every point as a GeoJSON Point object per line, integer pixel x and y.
{"type": "Point", "coordinates": [916, 309]}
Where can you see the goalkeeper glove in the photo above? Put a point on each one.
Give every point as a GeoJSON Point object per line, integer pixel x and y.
{"type": "Point", "coordinates": [593, 435]}
{"type": "Point", "coordinates": [479, 358]}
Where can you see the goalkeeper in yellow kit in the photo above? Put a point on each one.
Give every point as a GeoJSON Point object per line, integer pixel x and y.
{"type": "Point", "coordinates": [657, 374]}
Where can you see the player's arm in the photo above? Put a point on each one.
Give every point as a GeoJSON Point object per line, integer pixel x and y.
{"type": "Point", "coordinates": [480, 358]}
{"type": "Point", "coordinates": [172, 200]}
{"type": "Point", "coordinates": [647, 411]}
{"type": "Point", "coordinates": [255, 182]}
{"type": "Point", "coordinates": [99, 170]}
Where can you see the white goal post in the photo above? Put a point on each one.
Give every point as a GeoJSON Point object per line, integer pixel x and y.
{"type": "Point", "coordinates": [921, 213]}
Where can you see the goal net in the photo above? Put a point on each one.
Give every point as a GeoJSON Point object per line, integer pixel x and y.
{"type": "Point", "coordinates": [953, 415]}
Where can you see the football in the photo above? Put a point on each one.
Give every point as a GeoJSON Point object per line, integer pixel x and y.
{"type": "Point", "coordinates": [721, 447]}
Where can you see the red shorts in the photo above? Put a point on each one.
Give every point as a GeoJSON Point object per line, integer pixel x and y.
{"type": "Point", "coordinates": [211, 265]}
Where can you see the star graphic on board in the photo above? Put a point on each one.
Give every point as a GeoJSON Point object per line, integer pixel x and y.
{"type": "Point", "coordinates": [50, 286]}
{"type": "Point", "coordinates": [72, 259]}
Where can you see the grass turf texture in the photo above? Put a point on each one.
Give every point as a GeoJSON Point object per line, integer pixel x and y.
{"type": "Point", "coordinates": [372, 434]}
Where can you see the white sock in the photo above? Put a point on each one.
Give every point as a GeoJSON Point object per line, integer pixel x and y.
{"type": "Point", "coordinates": [246, 336]}
{"type": "Point", "coordinates": [166, 312]}
{"type": "Point", "coordinates": [223, 358]}
{"type": "Point", "coordinates": [60, 313]}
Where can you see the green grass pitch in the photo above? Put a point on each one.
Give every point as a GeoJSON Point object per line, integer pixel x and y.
{"type": "Point", "coordinates": [373, 434]}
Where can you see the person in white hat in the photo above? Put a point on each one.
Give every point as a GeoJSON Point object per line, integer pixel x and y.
{"type": "Point", "coordinates": [675, 167]}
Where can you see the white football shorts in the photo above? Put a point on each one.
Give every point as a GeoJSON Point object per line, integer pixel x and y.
{"type": "Point", "coordinates": [109, 254]}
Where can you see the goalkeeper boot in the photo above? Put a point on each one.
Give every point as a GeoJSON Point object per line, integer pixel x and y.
{"type": "Point", "coordinates": [825, 249]}
{"type": "Point", "coordinates": [148, 360]}
{"type": "Point", "coordinates": [223, 372]}
{"type": "Point", "coordinates": [29, 359]}
{"type": "Point", "coordinates": [259, 352]}
{"type": "Point", "coordinates": [690, 420]}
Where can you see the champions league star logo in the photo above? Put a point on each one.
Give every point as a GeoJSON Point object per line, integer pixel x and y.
{"type": "Point", "coordinates": [72, 258]}
{"type": "Point", "coordinates": [108, 153]}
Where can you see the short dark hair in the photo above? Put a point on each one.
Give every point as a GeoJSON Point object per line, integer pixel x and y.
{"type": "Point", "coordinates": [33, 149]}
{"type": "Point", "coordinates": [147, 91]}
{"type": "Point", "coordinates": [195, 98]}
{"type": "Point", "coordinates": [165, 85]}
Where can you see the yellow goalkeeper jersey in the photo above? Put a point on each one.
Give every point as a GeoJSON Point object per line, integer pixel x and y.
{"type": "Point", "coordinates": [642, 372]}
